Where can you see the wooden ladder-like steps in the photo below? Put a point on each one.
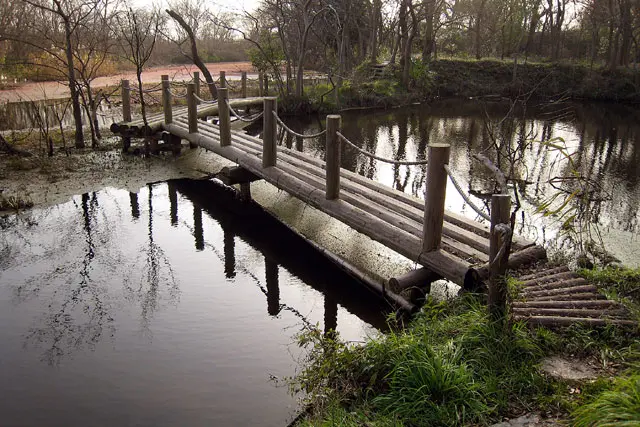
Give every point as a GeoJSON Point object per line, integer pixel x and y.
{"type": "Point", "coordinates": [559, 297]}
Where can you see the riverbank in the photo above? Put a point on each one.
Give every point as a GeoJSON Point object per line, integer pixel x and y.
{"type": "Point", "coordinates": [454, 366]}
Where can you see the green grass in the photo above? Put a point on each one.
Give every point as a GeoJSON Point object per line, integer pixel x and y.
{"type": "Point", "coordinates": [452, 366]}
{"type": "Point", "coordinates": [619, 407]}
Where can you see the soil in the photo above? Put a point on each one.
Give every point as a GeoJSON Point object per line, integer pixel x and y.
{"type": "Point", "coordinates": [52, 90]}
{"type": "Point", "coordinates": [46, 181]}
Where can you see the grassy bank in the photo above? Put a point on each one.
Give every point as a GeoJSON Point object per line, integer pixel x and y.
{"type": "Point", "coordinates": [453, 365]}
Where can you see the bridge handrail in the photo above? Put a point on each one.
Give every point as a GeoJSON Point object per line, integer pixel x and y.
{"type": "Point", "coordinates": [156, 88]}
{"type": "Point", "coordinates": [242, 119]}
{"type": "Point", "coordinates": [464, 195]}
{"type": "Point", "coordinates": [294, 133]}
{"type": "Point", "coordinates": [205, 101]}
{"type": "Point", "coordinates": [382, 159]}
{"type": "Point", "coordinates": [175, 95]}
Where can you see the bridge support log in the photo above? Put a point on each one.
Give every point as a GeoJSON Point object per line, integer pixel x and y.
{"type": "Point", "coordinates": [500, 246]}
{"type": "Point", "coordinates": [332, 190]}
{"type": "Point", "coordinates": [269, 133]}
{"type": "Point", "coordinates": [421, 277]}
{"type": "Point", "coordinates": [224, 121]}
{"type": "Point", "coordinates": [434, 197]}
{"type": "Point", "coordinates": [166, 99]}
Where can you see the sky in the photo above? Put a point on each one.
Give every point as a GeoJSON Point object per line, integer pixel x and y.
{"type": "Point", "coordinates": [227, 5]}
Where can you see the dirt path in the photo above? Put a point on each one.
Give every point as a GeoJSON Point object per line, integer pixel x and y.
{"type": "Point", "coordinates": [53, 90]}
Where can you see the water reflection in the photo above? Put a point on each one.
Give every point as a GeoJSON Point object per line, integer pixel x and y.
{"type": "Point", "coordinates": [605, 139]}
{"type": "Point", "coordinates": [112, 291]}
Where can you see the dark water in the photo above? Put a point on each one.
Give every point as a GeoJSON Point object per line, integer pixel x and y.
{"type": "Point", "coordinates": [604, 140]}
{"type": "Point", "coordinates": [174, 306]}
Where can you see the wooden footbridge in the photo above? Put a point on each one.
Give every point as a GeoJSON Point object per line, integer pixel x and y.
{"type": "Point", "coordinates": [446, 244]}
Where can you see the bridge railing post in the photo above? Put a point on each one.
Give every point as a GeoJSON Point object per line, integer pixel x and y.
{"type": "Point", "coordinates": [192, 108]}
{"type": "Point", "coordinates": [223, 79]}
{"type": "Point", "coordinates": [333, 157]}
{"type": "Point", "coordinates": [244, 85]}
{"type": "Point", "coordinates": [224, 118]}
{"type": "Point", "coordinates": [166, 99]}
{"type": "Point", "coordinates": [126, 101]}
{"type": "Point", "coordinates": [434, 197]}
{"type": "Point", "coordinates": [196, 81]}
{"type": "Point", "coordinates": [498, 260]}
{"type": "Point", "coordinates": [269, 133]}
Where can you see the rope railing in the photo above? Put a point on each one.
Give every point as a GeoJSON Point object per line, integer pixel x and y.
{"type": "Point", "coordinates": [135, 89]}
{"type": "Point", "coordinates": [294, 133]}
{"type": "Point", "coordinates": [205, 101]}
{"type": "Point", "coordinates": [381, 159]}
{"type": "Point", "coordinates": [242, 119]}
{"type": "Point", "coordinates": [464, 195]}
{"type": "Point", "coordinates": [175, 95]}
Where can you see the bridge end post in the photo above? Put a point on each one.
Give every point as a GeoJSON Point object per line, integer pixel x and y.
{"type": "Point", "coordinates": [333, 157]}
{"type": "Point", "coordinates": [126, 101]}
{"type": "Point", "coordinates": [166, 99]}
{"type": "Point", "coordinates": [434, 197]}
{"type": "Point", "coordinates": [224, 119]}
{"type": "Point", "coordinates": [243, 93]}
{"type": "Point", "coordinates": [269, 132]}
{"type": "Point", "coordinates": [192, 109]}
{"type": "Point", "coordinates": [223, 79]}
{"type": "Point", "coordinates": [499, 247]}
{"type": "Point", "coordinates": [196, 81]}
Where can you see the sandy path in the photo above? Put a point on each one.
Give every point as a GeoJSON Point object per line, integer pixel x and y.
{"type": "Point", "coordinates": [53, 90]}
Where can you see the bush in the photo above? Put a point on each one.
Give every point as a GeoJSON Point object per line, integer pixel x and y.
{"type": "Point", "coordinates": [617, 407]}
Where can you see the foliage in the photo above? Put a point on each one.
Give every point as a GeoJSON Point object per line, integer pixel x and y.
{"type": "Point", "coordinates": [422, 78]}
{"type": "Point", "coordinates": [451, 366]}
{"type": "Point", "coordinates": [617, 407]}
{"type": "Point", "coordinates": [624, 282]}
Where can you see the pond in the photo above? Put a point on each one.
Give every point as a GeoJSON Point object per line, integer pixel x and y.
{"type": "Point", "coordinates": [178, 305]}
{"type": "Point", "coordinates": [602, 139]}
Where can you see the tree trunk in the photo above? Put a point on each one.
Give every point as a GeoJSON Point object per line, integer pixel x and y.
{"type": "Point", "coordinates": [194, 53]}
{"type": "Point", "coordinates": [626, 32]}
{"type": "Point", "coordinates": [478, 40]}
{"type": "Point", "coordinates": [73, 86]}
{"type": "Point", "coordinates": [429, 39]}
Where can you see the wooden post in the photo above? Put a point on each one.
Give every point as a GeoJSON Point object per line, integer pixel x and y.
{"type": "Point", "coordinates": [192, 108]}
{"type": "Point", "coordinates": [333, 157]}
{"type": "Point", "coordinates": [224, 121]}
{"type": "Point", "coordinates": [434, 196]}
{"type": "Point", "coordinates": [269, 133]}
{"type": "Point", "coordinates": [196, 81]}
{"type": "Point", "coordinates": [223, 79]}
{"type": "Point", "coordinates": [244, 85]}
{"type": "Point", "coordinates": [260, 87]}
{"type": "Point", "coordinates": [166, 99]}
{"type": "Point", "coordinates": [126, 101]}
{"type": "Point", "coordinates": [500, 214]}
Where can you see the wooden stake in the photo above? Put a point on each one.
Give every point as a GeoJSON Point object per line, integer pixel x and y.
{"type": "Point", "coordinates": [166, 99]}
{"type": "Point", "coordinates": [196, 81]}
{"type": "Point", "coordinates": [192, 108]}
{"type": "Point", "coordinates": [434, 197]}
{"type": "Point", "coordinates": [333, 158]}
{"type": "Point", "coordinates": [244, 85]}
{"type": "Point", "coordinates": [500, 214]}
{"type": "Point", "coordinates": [269, 133]}
{"type": "Point", "coordinates": [126, 101]}
{"type": "Point", "coordinates": [223, 79]}
{"type": "Point", "coordinates": [223, 115]}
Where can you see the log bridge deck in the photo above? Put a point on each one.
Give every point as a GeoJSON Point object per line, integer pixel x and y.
{"type": "Point", "coordinates": [446, 244]}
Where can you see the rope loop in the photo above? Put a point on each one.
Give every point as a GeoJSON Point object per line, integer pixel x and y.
{"type": "Point", "coordinates": [294, 133]}
{"type": "Point", "coordinates": [204, 101]}
{"type": "Point", "coordinates": [464, 195]}
{"type": "Point", "coordinates": [175, 95]}
{"type": "Point", "coordinates": [242, 119]}
{"type": "Point", "coordinates": [504, 230]}
{"type": "Point", "coordinates": [381, 159]}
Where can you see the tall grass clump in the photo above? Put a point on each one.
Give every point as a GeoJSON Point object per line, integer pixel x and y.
{"type": "Point", "coordinates": [617, 407]}
{"type": "Point", "coordinates": [452, 365]}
